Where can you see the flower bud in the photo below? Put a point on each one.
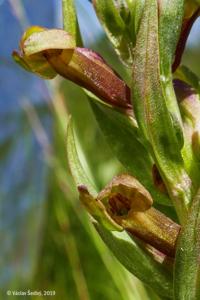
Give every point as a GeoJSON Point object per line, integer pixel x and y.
{"type": "Point", "coordinates": [128, 204]}
{"type": "Point", "coordinates": [48, 52]}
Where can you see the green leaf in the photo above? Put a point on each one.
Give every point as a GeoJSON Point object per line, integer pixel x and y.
{"type": "Point", "coordinates": [110, 16]}
{"type": "Point", "coordinates": [187, 264]}
{"type": "Point", "coordinates": [137, 260]}
{"type": "Point", "coordinates": [170, 12]}
{"type": "Point", "coordinates": [155, 120]}
{"type": "Point", "coordinates": [78, 172]}
{"type": "Point", "coordinates": [113, 24]}
{"type": "Point", "coordinates": [70, 21]}
{"type": "Point", "coordinates": [123, 137]}
{"type": "Point", "coordinates": [120, 19]}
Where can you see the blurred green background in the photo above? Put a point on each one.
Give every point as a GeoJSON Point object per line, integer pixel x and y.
{"type": "Point", "coordinates": [47, 241]}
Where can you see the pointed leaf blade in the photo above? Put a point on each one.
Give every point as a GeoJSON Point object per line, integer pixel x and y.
{"type": "Point", "coordinates": [123, 137]}
{"type": "Point", "coordinates": [70, 21]}
{"type": "Point", "coordinates": [76, 167]}
{"type": "Point", "coordinates": [137, 261]}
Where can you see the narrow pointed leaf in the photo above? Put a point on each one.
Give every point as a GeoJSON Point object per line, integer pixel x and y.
{"type": "Point", "coordinates": [111, 19]}
{"type": "Point", "coordinates": [170, 12]}
{"type": "Point", "coordinates": [70, 22]}
{"type": "Point", "coordinates": [120, 19]}
{"type": "Point", "coordinates": [114, 26]}
{"type": "Point", "coordinates": [79, 174]}
{"type": "Point", "coordinates": [187, 264]}
{"type": "Point", "coordinates": [137, 260]}
{"type": "Point", "coordinates": [123, 137]}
